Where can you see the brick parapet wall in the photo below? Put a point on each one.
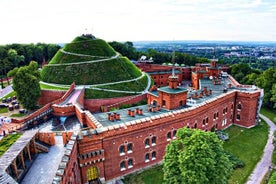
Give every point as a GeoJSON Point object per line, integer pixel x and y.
{"type": "Point", "coordinates": [93, 105]}
{"type": "Point", "coordinates": [48, 96]}
{"type": "Point", "coordinates": [131, 100]}
{"type": "Point", "coordinates": [69, 170]}
{"type": "Point", "coordinates": [48, 138]}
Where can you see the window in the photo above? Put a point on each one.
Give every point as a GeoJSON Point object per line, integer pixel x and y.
{"type": "Point", "coordinates": [123, 166]}
{"type": "Point", "coordinates": [239, 107]}
{"type": "Point", "coordinates": [147, 157]}
{"type": "Point", "coordinates": [122, 150]}
{"type": "Point", "coordinates": [129, 148]}
{"type": "Point", "coordinates": [238, 117]}
{"type": "Point", "coordinates": [153, 155]}
{"type": "Point", "coordinates": [153, 141]}
{"type": "Point", "coordinates": [130, 163]}
{"type": "Point", "coordinates": [207, 120]}
{"type": "Point", "coordinates": [203, 122]}
{"type": "Point", "coordinates": [217, 115]}
{"type": "Point", "coordinates": [169, 136]}
{"type": "Point", "coordinates": [147, 143]}
{"type": "Point", "coordinates": [174, 134]}
{"type": "Point", "coordinates": [195, 126]}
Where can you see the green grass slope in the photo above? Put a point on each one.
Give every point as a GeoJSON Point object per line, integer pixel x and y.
{"type": "Point", "coordinates": [88, 46]}
{"type": "Point", "coordinates": [112, 70]}
{"type": "Point", "coordinates": [88, 61]}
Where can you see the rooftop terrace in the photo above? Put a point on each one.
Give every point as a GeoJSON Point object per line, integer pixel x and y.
{"type": "Point", "coordinates": [217, 90]}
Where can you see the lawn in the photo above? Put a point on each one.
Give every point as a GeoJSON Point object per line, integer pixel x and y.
{"type": "Point", "coordinates": [13, 93]}
{"type": "Point", "coordinates": [247, 145]}
{"type": "Point", "coordinates": [271, 114]}
{"type": "Point", "coordinates": [242, 142]}
{"type": "Point", "coordinates": [149, 176]}
{"type": "Point", "coordinates": [4, 110]}
{"type": "Point", "coordinates": [50, 87]}
{"type": "Point", "coordinates": [7, 141]}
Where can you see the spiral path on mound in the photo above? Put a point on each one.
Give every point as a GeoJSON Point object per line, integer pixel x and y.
{"type": "Point", "coordinates": [95, 86]}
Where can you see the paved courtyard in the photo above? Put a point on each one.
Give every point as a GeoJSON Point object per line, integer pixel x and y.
{"type": "Point", "coordinates": [45, 165]}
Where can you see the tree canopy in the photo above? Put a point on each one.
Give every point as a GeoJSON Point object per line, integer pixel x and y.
{"type": "Point", "coordinates": [26, 84]}
{"type": "Point", "coordinates": [196, 157]}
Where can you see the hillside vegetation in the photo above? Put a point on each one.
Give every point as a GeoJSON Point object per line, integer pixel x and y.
{"type": "Point", "coordinates": [112, 70]}
{"type": "Point", "coordinates": [92, 61]}
{"type": "Point", "coordinates": [88, 46]}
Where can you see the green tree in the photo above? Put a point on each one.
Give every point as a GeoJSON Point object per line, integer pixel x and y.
{"type": "Point", "coordinates": [272, 180]}
{"type": "Point", "coordinates": [14, 58]}
{"type": "Point", "coordinates": [126, 49]}
{"type": "Point", "coordinates": [239, 71]}
{"type": "Point", "coordinates": [266, 81]}
{"type": "Point", "coordinates": [26, 84]}
{"type": "Point", "coordinates": [273, 95]}
{"type": "Point", "coordinates": [196, 157]}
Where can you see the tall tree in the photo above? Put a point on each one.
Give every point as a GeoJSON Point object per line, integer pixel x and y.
{"type": "Point", "coordinates": [266, 81]}
{"type": "Point", "coordinates": [196, 157]}
{"type": "Point", "coordinates": [26, 84]}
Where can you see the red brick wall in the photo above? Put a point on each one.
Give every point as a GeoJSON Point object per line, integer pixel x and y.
{"type": "Point", "coordinates": [249, 106]}
{"type": "Point", "coordinates": [72, 173]}
{"type": "Point", "coordinates": [48, 96]}
{"type": "Point", "coordinates": [48, 138]}
{"type": "Point", "coordinates": [65, 110]}
{"type": "Point", "coordinates": [94, 105]}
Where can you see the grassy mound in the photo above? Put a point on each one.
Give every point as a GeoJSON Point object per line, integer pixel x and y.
{"type": "Point", "coordinates": [138, 85]}
{"type": "Point", "coordinates": [88, 46]}
{"type": "Point", "coordinates": [97, 94]}
{"type": "Point", "coordinates": [61, 58]}
{"type": "Point", "coordinates": [112, 70]}
{"type": "Point", "coordinates": [91, 61]}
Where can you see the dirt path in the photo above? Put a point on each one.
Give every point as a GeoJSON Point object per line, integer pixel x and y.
{"type": "Point", "coordinates": [263, 165]}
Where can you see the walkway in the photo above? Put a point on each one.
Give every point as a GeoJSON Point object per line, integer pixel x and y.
{"type": "Point", "coordinates": [6, 91]}
{"type": "Point", "coordinates": [45, 165]}
{"type": "Point", "coordinates": [262, 167]}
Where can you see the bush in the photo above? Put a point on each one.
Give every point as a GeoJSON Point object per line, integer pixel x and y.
{"type": "Point", "coordinates": [236, 162]}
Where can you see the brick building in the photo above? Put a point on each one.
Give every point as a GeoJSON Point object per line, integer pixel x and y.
{"type": "Point", "coordinates": [113, 144]}
{"type": "Point", "coordinates": [129, 140]}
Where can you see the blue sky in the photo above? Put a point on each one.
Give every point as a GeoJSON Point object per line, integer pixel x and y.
{"type": "Point", "coordinates": [59, 21]}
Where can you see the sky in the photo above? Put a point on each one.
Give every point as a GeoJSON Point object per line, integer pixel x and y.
{"type": "Point", "coordinates": [60, 21]}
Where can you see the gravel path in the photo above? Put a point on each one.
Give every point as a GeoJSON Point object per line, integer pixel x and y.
{"type": "Point", "coordinates": [262, 167]}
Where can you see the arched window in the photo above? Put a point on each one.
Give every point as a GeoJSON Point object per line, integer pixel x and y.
{"type": "Point", "coordinates": [130, 163]}
{"type": "Point", "coordinates": [217, 114]}
{"type": "Point", "coordinates": [169, 135]}
{"type": "Point", "coordinates": [153, 141]}
{"type": "Point", "coordinates": [129, 148]}
{"type": "Point", "coordinates": [122, 150]}
{"type": "Point", "coordinates": [147, 143]}
{"type": "Point", "coordinates": [195, 126]}
{"type": "Point", "coordinates": [238, 117]}
{"type": "Point", "coordinates": [207, 120]}
{"type": "Point", "coordinates": [203, 121]}
{"type": "Point", "coordinates": [153, 155]}
{"type": "Point", "coordinates": [123, 166]}
{"type": "Point", "coordinates": [239, 107]}
{"type": "Point", "coordinates": [174, 134]}
{"type": "Point", "coordinates": [147, 157]}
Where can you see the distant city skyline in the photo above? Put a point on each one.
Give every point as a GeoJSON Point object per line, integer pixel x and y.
{"type": "Point", "coordinates": [32, 21]}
